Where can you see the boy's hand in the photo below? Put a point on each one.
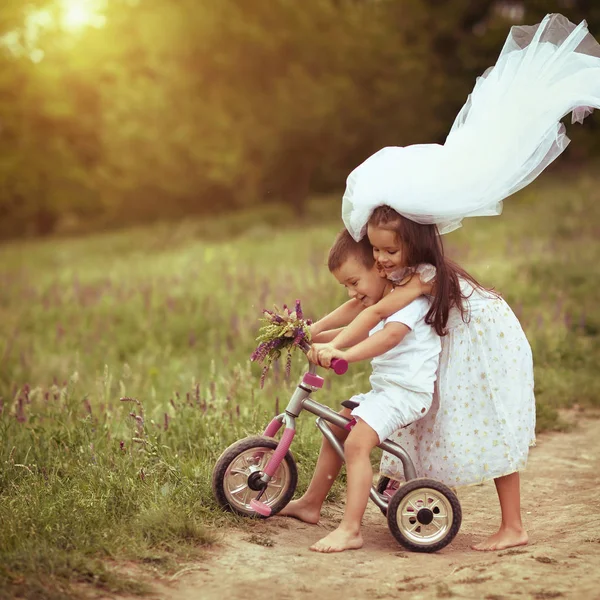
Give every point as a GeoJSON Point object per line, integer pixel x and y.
{"type": "Point", "coordinates": [313, 353]}
{"type": "Point", "coordinates": [326, 353]}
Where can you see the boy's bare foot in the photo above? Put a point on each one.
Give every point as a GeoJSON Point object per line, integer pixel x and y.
{"type": "Point", "coordinates": [504, 538]}
{"type": "Point", "coordinates": [302, 511]}
{"type": "Point", "coordinates": [338, 541]}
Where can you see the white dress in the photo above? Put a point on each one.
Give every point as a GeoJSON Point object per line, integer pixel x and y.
{"type": "Point", "coordinates": [482, 420]}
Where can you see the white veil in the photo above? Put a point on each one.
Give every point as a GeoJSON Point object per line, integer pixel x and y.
{"type": "Point", "coordinates": [505, 135]}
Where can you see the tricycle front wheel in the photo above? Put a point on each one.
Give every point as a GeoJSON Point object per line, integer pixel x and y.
{"type": "Point", "coordinates": [237, 473]}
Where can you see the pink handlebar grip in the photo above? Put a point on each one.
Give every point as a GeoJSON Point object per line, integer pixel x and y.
{"type": "Point", "coordinates": [339, 366]}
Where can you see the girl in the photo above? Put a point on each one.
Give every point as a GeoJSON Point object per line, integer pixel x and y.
{"type": "Point", "coordinates": [482, 420]}
{"type": "Point", "coordinates": [483, 416]}
{"type": "Point", "coordinates": [405, 352]}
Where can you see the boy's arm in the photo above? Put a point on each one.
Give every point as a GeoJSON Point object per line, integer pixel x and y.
{"type": "Point", "coordinates": [322, 344]}
{"type": "Point", "coordinates": [339, 317]}
{"type": "Point", "coordinates": [379, 343]}
{"type": "Point", "coordinates": [359, 328]}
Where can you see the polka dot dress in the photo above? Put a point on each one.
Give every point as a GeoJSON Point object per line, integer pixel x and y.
{"type": "Point", "coordinates": [482, 420]}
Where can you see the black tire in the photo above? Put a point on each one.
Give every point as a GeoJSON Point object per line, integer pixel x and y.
{"type": "Point", "coordinates": [416, 505]}
{"type": "Point", "coordinates": [382, 484]}
{"type": "Point", "coordinates": [279, 491]}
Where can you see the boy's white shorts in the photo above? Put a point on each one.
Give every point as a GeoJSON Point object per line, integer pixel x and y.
{"type": "Point", "coordinates": [388, 408]}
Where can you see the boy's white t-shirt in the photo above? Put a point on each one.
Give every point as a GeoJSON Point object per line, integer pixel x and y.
{"type": "Point", "coordinates": [414, 361]}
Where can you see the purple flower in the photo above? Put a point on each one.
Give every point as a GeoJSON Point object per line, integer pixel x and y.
{"type": "Point", "coordinates": [263, 375]}
{"type": "Point", "coordinates": [21, 418]}
{"type": "Point", "coordinates": [273, 316]}
{"type": "Point", "coordinates": [285, 329]}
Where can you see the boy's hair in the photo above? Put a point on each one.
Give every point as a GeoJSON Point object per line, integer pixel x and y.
{"type": "Point", "coordinates": [345, 247]}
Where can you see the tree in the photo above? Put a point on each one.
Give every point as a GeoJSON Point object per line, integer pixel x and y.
{"type": "Point", "coordinates": [163, 108]}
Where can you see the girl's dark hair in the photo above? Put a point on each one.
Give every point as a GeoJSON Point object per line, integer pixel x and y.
{"type": "Point", "coordinates": [423, 244]}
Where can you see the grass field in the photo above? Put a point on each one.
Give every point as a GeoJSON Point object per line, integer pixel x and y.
{"type": "Point", "coordinates": [167, 316]}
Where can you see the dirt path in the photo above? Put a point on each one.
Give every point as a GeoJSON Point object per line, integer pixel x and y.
{"type": "Point", "coordinates": [561, 506]}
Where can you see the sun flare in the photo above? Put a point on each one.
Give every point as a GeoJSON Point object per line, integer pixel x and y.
{"type": "Point", "coordinates": [78, 14]}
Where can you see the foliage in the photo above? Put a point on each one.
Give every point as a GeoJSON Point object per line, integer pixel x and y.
{"type": "Point", "coordinates": [169, 108]}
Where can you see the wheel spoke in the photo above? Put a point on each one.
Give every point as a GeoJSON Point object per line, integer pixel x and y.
{"type": "Point", "coordinates": [264, 459]}
{"type": "Point", "coordinates": [413, 527]}
{"type": "Point", "coordinates": [408, 524]}
{"type": "Point", "coordinates": [239, 464]}
{"type": "Point", "coordinates": [435, 503]}
{"type": "Point", "coordinates": [238, 472]}
{"type": "Point", "coordinates": [246, 498]}
{"type": "Point", "coordinates": [239, 489]}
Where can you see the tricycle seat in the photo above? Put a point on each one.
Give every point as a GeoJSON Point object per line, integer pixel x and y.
{"type": "Point", "coordinates": [349, 404]}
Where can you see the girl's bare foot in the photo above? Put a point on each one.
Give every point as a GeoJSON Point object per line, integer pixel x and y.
{"type": "Point", "coordinates": [298, 509]}
{"type": "Point", "coordinates": [504, 538]}
{"type": "Point", "coordinates": [338, 541]}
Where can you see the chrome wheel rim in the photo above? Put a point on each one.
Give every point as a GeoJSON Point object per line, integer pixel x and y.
{"type": "Point", "coordinates": [235, 482]}
{"type": "Point", "coordinates": [424, 516]}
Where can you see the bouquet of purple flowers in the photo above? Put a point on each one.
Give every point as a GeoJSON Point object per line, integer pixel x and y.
{"type": "Point", "coordinates": [282, 330]}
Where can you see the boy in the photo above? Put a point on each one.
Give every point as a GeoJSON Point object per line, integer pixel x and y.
{"type": "Point", "coordinates": [405, 352]}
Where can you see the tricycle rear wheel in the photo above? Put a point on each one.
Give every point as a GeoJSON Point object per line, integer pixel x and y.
{"type": "Point", "coordinates": [424, 515]}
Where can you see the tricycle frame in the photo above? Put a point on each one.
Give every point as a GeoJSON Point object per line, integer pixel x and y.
{"type": "Point", "coordinates": [300, 401]}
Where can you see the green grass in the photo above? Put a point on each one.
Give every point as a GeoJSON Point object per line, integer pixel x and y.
{"type": "Point", "coordinates": [166, 316]}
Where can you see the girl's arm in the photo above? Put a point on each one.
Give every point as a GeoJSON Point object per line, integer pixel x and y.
{"type": "Point", "coordinates": [326, 336]}
{"type": "Point", "coordinates": [339, 317]}
{"type": "Point", "coordinates": [379, 343]}
{"type": "Point", "coordinates": [359, 328]}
